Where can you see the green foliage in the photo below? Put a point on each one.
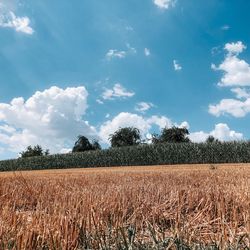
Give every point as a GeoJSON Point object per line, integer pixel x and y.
{"type": "Point", "coordinates": [172, 135]}
{"type": "Point", "coordinates": [34, 151]}
{"type": "Point", "coordinates": [96, 145]}
{"type": "Point", "coordinates": [128, 136]}
{"type": "Point", "coordinates": [158, 154]}
{"type": "Point", "coordinates": [83, 144]}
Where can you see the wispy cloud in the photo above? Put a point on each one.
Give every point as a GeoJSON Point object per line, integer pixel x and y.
{"type": "Point", "coordinates": [114, 53]}
{"type": "Point", "coordinates": [177, 66]}
{"type": "Point", "coordinates": [143, 106]}
{"type": "Point", "coordinates": [225, 27]}
{"type": "Point", "coordinates": [120, 54]}
{"type": "Point", "coordinates": [147, 52]}
{"type": "Point", "coordinates": [118, 91]}
{"type": "Point", "coordinates": [164, 4]}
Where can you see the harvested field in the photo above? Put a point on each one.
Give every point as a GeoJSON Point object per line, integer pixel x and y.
{"type": "Point", "coordinates": [156, 207]}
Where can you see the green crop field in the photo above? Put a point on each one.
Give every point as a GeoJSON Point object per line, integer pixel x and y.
{"type": "Point", "coordinates": [160, 154]}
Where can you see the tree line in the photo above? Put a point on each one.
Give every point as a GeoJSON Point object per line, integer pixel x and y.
{"type": "Point", "coordinates": [123, 137]}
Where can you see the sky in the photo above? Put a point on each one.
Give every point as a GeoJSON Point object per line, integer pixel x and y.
{"type": "Point", "coordinates": [89, 67]}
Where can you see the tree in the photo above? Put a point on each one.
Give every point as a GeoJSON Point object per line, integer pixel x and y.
{"type": "Point", "coordinates": [172, 135]}
{"type": "Point", "coordinates": [155, 138]}
{"type": "Point", "coordinates": [128, 136]}
{"type": "Point", "coordinates": [96, 145]}
{"type": "Point", "coordinates": [83, 144]}
{"type": "Point", "coordinates": [34, 151]}
{"type": "Point", "coordinates": [211, 139]}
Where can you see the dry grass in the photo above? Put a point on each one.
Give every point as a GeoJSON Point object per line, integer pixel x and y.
{"type": "Point", "coordinates": [126, 208]}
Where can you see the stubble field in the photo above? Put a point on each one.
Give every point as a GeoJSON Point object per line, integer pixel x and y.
{"type": "Point", "coordinates": [156, 207]}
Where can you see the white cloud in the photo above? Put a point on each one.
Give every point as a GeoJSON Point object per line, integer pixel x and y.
{"type": "Point", "coordinates": [164, 4]}
{"type": "Point", "coordinates": [236, 108]}
{"type": "Point", "coordinates": [221, 132]}
{"type": "Point", "coordinates": [177, 66]}
{"type": "Point", "coordinates": [235, 48]}
{"type": "Point", "coordinates": [184, 124]}
{"type": "Point", "coordinates": [113, 53]}
{"type": "Point", "coordinates": [19, 24]}
{"type": "Point", "coordinates": [120, 54]}
{"type": "Point", "coordinates": [236, 72]}
{"type": "Point", "coordinates": [160, 121]}
{"type": "Point", "coordinates": [7, 129]}
{"type": "Point", "coordinates": [143, 106]}
{"type": "Point", "coordinates": [147, 52]}
{"type": "Point", "coordinates": [65, 150]}
{"type": "Point", "coordinates": [241, 93]}
{"type": "Point", "coordinates": [198, 136]}
{"type": "Point", "coordinates": [52, 118]}
{"type": "Point", "coordinates": [118, 91]}
{"type": "Point", "coordinates": [125, 119]}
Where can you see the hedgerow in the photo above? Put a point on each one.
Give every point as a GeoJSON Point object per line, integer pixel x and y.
{"type": "Point", "coordinates": [159, 154]}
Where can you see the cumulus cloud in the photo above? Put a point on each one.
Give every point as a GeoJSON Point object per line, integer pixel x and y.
{"type": "Point", "coordinates": [143, 106]}
{"type": "Point", "coordinates": [235, 48]}
{"type": "Point", "coordinates": [236, 108]}
{"type": "Point", "coordinates": [184, 124]}
{"type": "Point", "coordinates": [177, 66]}
{"type": "Point", "coordinates": [241, 93]}
{"type": "Point", "coordinates": [160, 121]}
{"type": "Point", "coordinates": [118, 91]}
{"type": "Point", "coordinates": [120, 54]}
{"type": "Point", "coordinates": [52, 118]}
{"type": "Point", "coordinates": [19, 24]}
{"type": "Point", "coordinates": [236, 74]}
{"type": "Point", "coordinates": [164, 4]}
{"type": "Point", "coordinates": [126, 119]}
{"type": "Point", "coordinates": [221, 132]}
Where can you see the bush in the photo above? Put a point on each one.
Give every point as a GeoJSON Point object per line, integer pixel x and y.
{"type": "Point", "coordinates": [34, 151]}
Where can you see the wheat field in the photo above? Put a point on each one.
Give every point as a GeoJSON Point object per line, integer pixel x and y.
{"type": "Point", "coordinates": [156, 207]}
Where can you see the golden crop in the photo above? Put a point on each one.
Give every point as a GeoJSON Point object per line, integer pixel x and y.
{"type": "Point", "coordinates": [126, 208]}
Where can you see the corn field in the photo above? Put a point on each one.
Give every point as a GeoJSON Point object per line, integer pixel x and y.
{"type": "Point", "coordinates": [161, 154]}
{"type": "Point", "coordinates": [197, 207]}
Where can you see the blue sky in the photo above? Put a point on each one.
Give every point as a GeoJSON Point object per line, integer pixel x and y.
{"type": "Point", "coordinates": [90, 67]}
